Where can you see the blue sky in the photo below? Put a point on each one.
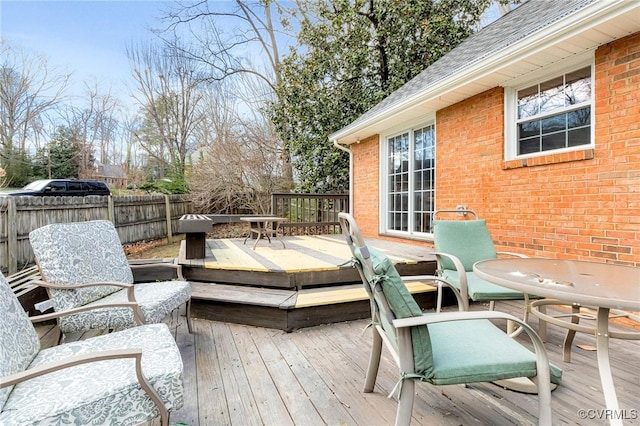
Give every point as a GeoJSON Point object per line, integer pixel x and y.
{"type": "Point", "coordinates": [84, 37]}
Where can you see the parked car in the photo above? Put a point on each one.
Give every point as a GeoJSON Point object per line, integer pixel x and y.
{"type": "Point", "coordinates": [63, 187]}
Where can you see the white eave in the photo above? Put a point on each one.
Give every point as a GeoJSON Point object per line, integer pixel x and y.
{"type": "Point", "coordinates": [596, 24]}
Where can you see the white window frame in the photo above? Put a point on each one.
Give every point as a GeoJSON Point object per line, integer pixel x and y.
{"type": "Point", "coordinates": [384, 181]}
{"type": "Point", "coordinates": [511, 105]}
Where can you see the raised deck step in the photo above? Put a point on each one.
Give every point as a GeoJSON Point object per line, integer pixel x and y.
{"type": "Point", "coordinates": [289, 309]}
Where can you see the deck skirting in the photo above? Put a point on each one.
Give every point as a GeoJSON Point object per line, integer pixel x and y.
{"type": "Point", "coordinates": [289, 310]}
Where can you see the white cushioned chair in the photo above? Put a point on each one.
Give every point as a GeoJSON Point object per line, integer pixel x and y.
{"type": "Point", "coordinates": [441, 348]}
{"type": "Point", "coordinates": [83, 264]}
{"type": "Point", "coordinates": [121, 378]}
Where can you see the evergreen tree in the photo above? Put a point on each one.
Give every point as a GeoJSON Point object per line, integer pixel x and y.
{"type": "Point", "coordinates": [348, 60]}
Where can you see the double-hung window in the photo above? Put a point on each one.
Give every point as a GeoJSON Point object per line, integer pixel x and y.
{"type": "Point", "coordinates": [410, 181]}
{"type": "Point", "coordinates": [552, 114]}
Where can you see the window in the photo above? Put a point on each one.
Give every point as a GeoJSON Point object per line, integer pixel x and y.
{"type": "Point", "coordinates": [410, 185]}
{"type": "Point", "coordinates": [75, 186]}
{"type": "Point", "coordinates": [553, 114]}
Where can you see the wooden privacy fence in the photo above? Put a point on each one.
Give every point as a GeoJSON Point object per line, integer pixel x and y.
{"type": "Point", "coordinates": [309, 214]}
{"type": "Point", "coordinates": [137, 218]}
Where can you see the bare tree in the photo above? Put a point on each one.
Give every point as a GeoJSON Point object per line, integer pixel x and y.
{"type": "Point", "coordinates": [236, 167]}
{"type": "Point", "coordinates": [29, 89]}
{"type": "Point", "coordinates": [96, 125]}
{"type": "Point", "coordinates": [168, 92]}
{"type": "Point", "coordinates": [240, 41]}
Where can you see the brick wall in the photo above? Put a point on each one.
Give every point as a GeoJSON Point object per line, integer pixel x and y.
{"type": "Point", "coordinates": [580, 205]}
{"type": "Point", "coordinates": [366, 178]}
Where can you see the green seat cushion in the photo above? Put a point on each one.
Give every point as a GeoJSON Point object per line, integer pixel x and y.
{"type": "Point", "coordinates": [403, 305]}
{"type": "Point", "coordinates": [471, 351]}
{"type": "Point", "coordinates": [480, 289]}
{"type": "Point", "coordinates": [468, 240]}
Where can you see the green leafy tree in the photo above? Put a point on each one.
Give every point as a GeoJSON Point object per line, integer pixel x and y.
{"type": "Point", "coordinates": [63, 157]}
{"type": "Point", "coordinates": [348, 59]}
{"type": "Point", "coordinates": [17, 167]}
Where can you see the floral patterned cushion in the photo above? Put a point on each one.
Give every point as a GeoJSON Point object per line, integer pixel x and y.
{"type": "Point", "coordinates": [80, 253]}
{"type": "Point", "coordinates": [156, 301]}
{"type": "Point", "coordinates": [91, 252]}
{"type": "Point", "coordinates": [104, 392]}
{"type": "Point", "coordinates": [19, 342]}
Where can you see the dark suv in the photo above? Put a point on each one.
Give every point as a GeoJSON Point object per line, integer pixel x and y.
{"type": "Point", "coordinates": [63, 188]}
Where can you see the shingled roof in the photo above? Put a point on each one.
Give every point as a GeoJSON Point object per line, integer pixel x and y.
{"type": "Point", "coordinates": [520, 23]}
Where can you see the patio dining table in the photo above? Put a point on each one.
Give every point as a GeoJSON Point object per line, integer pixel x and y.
{"type": "Point", "coordinates": [264, 227]}
{"type": "Point", "coordinates": [603, 286]}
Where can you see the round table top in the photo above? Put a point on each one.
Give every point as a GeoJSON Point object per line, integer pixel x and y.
{"type": "Point", "coordinates": [588, 283]}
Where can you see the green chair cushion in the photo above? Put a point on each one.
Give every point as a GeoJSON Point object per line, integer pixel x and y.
{"type": "Point", "coordinates": [403, 305]}
{"type": "Point", "coordinates": [468, 240]}
{"type": "Point", "coordinates": [471, 351]}
{"type": "Point", "coordinates": [480, 289]}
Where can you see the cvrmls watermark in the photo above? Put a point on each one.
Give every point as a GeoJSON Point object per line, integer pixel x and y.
{"type": "Point", "coordinates": [604, 414]}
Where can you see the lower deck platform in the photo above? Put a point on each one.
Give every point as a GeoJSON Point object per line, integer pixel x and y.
{"type": "Point", "coordinates": [309, 282]}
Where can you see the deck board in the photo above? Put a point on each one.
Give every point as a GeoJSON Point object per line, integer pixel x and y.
{"type": "Point", "coordinates": [242, 375]}
{"type": "Point", "coordinates": [227, 254]}
{"type": "Point", "coordinates": [306, 261]}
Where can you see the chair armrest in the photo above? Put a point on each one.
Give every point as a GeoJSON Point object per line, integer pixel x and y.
{"type": "Point", "coordinates": [137, 317]}
{"type": "Point", "coordinates": [462, 275]}
{"type": "Point", "coordinates": [130, 289]}
{"type": "Point", "coordinates": [440, 282]}
{"type": "Point", "coordinates": [47, 284]}
{"type": "Point", "coordinates": [72, 361]}
{"type": "Point", "coordinates": [453, 316]}
{"type": "Point", "coordinates": [131, 300]}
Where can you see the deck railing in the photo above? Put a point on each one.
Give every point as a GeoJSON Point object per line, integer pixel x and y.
{"type": "Point", "coordinates": [309, 214]}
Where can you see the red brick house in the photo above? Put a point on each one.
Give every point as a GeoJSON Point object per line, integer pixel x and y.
{"type": "Point", "coordinates": [533, 122]}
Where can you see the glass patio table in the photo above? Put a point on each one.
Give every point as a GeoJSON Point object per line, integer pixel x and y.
{"type": "Point", "coordinates": [603, 286]}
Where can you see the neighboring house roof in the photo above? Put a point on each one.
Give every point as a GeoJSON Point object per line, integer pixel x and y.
{"type": "Point", "coordinates": [111, 171]}
{"type": "Point", "coordinates": [537, 33]}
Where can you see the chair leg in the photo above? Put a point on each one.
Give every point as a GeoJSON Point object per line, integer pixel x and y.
{"type": "Point", "coordinates": [405, 403]}
{"type": "Point", "coordinates": [188, 315]}
{"type": "Point", "coordinates": [542, 325]}
{"type": "Point", "coordinates": [374, 362]}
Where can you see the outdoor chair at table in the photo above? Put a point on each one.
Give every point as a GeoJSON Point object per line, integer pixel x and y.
{"type": "Point", "coordinates": [126, 377]}
{"type": "Point", "coordinates": [461, 243]}
{"type": "Point", "coordinates": [440, 348]}
{"type": "Point", "coordinates": [84, 265]}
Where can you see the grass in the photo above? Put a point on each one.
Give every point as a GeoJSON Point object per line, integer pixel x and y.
{"type": "Point", "coordinates": [156, 249]}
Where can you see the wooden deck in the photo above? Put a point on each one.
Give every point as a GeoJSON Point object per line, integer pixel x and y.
{"type": "Point", "coordinates": [307, 261]}
{"type": "Point", "coordinates": [306, 283]}
{"type": "Point", "coordinates": [243, 375]}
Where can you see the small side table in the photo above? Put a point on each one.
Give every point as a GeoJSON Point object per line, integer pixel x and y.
{"type": "Point", "coordinates": [264, 227]}
{"type": "Point", "coordinates": [195, 228]}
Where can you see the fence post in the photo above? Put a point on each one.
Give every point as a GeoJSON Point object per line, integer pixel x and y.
{"type": "Point", "coordinates": [167, 204]}
{"type": "Point", "coordinates": [111, 210]}
{"type": "Point", "coordinates": [12, 236]}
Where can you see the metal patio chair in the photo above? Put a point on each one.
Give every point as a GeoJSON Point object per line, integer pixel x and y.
{"type": "Point", "coordinates": [83, 264]}
{"type": "Point", "coordinates": [440, 348]}
{"type": "Point", "coordinates": [126, 377]}
{"type": "Point", "coordinates": [461, 243]}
